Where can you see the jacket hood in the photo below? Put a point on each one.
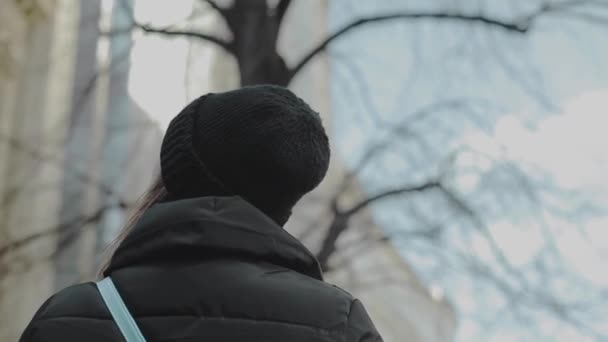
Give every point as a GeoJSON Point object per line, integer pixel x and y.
{"type": "Point", "coordinates": [211, 227]}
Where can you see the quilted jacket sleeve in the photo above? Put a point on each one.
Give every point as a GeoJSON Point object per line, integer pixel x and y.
{"type": "Point", "coordinates": [360, 327]}
{"type": "Point", "coordinates": [29, 335]}
{"type": "Point", "coordinates": [74, 314]}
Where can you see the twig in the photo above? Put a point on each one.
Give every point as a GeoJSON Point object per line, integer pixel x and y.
{"type": "Point", "coordinates": [509, 26]}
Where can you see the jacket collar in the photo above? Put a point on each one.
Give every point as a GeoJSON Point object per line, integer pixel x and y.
{"type": "Point", "coordinates": [207, 227]}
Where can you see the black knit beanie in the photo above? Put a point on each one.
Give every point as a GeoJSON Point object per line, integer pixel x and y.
{"type": "Point", "coordinates": [262, 143]}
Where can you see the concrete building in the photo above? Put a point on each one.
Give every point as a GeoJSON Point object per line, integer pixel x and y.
{"type": "Point", "coordinates": [36, 50]}
{"type": "Point", "coordinates": [55, 134]}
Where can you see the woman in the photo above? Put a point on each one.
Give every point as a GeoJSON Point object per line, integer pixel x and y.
{"type": "Point", "coordinates": [205, 257]}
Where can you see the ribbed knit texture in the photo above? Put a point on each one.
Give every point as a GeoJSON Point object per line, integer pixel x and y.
{"type": "Point", "coordinates": [262, 143]}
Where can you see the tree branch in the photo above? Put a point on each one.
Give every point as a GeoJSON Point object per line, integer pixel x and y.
{"type": "Point", "coordinates": [521, 25]}
{"type": "Point", "coordinates": [39, 155]}
{"type": "Point", "coordinates": [226, 45]}
{"type": "Point", "coordinates": [340, 222]}
{"type": "Point", "coordinates": [281, 10]}
{"type": "Point", "coordinates": [518, 27]}
{"type": "Point", "coordinates": [478, 224]}
{"type": "Point", "coordinates": [215, 6]}
{"type": "Point", "coordinates": [80, 221]}
{"type": "Point", "coordinates": [224, 13]}
{"type": "Point", "coordinates": [566, 5]}
{"type": "Point", "coordinates": [391, 193]}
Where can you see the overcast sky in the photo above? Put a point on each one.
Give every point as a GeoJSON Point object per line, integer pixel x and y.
{"type": "Point", "coordinates": [548, 92]}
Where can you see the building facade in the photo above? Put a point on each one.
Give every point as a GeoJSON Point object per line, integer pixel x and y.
{"type": "Point", "coordinates": [36, 51]}
{"type": "Point", "coordinates": [72, 146]}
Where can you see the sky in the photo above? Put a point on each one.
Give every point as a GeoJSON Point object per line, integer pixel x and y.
{"type": "Point", "coordinates": [564, 139]}
{"type": "Point", "coordinates": [158, 73]}
{"type": "Point", "coordinates": [558, 137]}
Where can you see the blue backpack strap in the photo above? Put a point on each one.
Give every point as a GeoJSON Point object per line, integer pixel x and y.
{"type": "Point", "coordinates": [119, 311]}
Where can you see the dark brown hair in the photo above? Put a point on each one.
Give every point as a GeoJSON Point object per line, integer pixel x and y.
{"type": "Point", "coordinates": [154, 194]}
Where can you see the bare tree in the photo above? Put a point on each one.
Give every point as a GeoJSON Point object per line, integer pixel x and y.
{"type": "Point", "coordinates": [253, 30]}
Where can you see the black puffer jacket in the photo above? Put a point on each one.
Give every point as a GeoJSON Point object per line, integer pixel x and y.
{"type": "Point", "coordinates": [209, 269]}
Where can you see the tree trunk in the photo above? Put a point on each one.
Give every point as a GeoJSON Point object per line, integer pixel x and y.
{"type": "Point", "coordinates": [256, 29]}
{"type": "Point", "coordinates": [338, 225]}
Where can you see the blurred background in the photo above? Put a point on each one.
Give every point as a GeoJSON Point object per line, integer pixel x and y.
{"type": "Point", "coordinates": [467, 198]}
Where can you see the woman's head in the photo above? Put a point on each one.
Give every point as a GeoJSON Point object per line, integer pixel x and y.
{"type": "Point", "coordinates": [262, 143]}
